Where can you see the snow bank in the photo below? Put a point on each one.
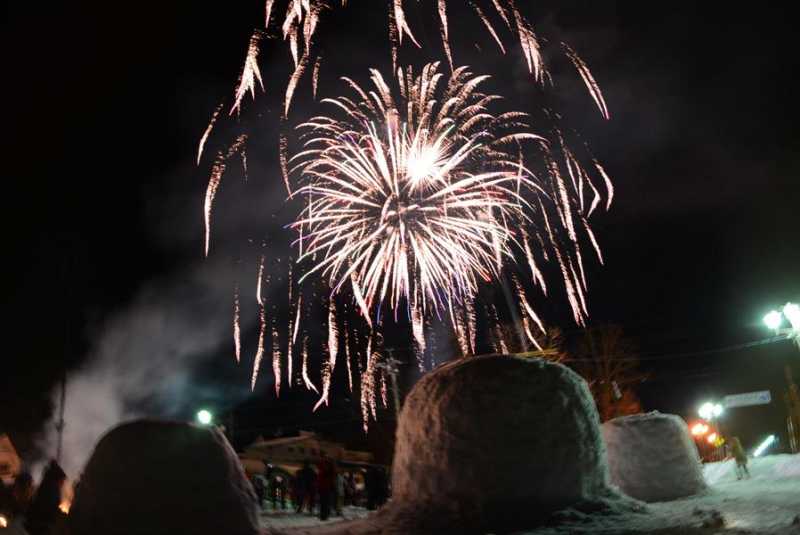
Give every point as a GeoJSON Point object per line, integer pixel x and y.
{"type": "Point", "coordinates": [497, 443]}
{"type": "Point", "coordinates": [770, 467]}
{"type": "Point", "coordinates": [163, 478]}
{"type": "Point", "coordinates": [652, 457]}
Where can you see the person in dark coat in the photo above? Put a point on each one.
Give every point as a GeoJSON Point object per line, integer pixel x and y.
{"type": "Point", "coordinates": [306, 486]}
{"type": "Point", "coordinates": [740, 457]}
{"type": "Point", "coordinates": [326, 484]}
{"type": "Point", "coordinates": [44, 515]}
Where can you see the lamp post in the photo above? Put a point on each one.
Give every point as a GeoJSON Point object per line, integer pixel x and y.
{"type": "Point", "coordinates": [710, 411]}
{"type": "Point", "coordinates": [774, 321]}
{"type": "Point", "coordinates": [204, 417]}
{"type": "Point", "coordinates": [791, 313]}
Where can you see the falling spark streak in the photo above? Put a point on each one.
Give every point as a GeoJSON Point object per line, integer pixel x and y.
{"type": "Point", "coordinates": [384, 390]}
{"type": "Point", "coordinates": [297, 318]}
{"type": "Point", "coordinates": [315, 76]}
{"type": "Point", "coordinates": [217, 171]}
{"type": "Point", "coordinates": [303, 17]}
{"type": "Point", "coordinates": [306, 379]}
{"type": "Point", "coordinates": [250, 74]}
{"type": "Point", "coordinates": [237, 332]}
{"type": "Point", "coordinates": [445, 36]}
{"type": "Point", "coordinates": [276, 357]}
{"type": "Point", "coordinates": [469, 308]}
{"type": "Point", "coordinates": [259, 298]}
{"type": "Point", "coordinates": [589, 81]}
{"type": "Point", "coordinates": [202, 144]}
{"type": "Point", "coordinates": [262, 325]}
{"type": "Point", "coordinates": [347, 357]}
{"type": "Point", "coordinates": [488, 26]}
{"type": "Point", "coordinates": [333, 350]}
{"type": "Point", "coordinates": [418, 330]}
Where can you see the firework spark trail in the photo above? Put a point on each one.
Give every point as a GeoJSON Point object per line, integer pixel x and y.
{"type": "Point", "coordinates": [217, 171]}
{"type": "Point", "coordinates": [384, 390]}
{"type": "Point", "coordinates": [469, 310]}
{"type": "Point", "coordinates": [333, 350]}
{"type": "Point", "coordinates": [250, 74]}
{"type": "Point", "coordinates": [347, 356]}
{"type": "Point", "coordinates": [306, 379]}
{"type": "Point", "coordinates": [368, 406]}
{"type": "Point", "coordinates": [500, 342]}
{"type": "Point", "coordinates": [202, 144]}
{"type": "Point", "coordinates": [445, 31]}
{"type": "Point", "coordinates": [588, 80]}
{"type": "Point", "coordinates": [488, 25]}
{"type": "Point", "coordinates": [262, 325]}
{"type": "Point", "coordinates": [237, 331]}
{"type": "Point", "coordinates": [276, 356]}
{"type": "Point", "coordinates": [418, 331]}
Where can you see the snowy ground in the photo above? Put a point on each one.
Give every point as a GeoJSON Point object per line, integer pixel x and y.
{"type": "Point", "coordinates": [767, 503]}
{"type": "Point", "coordinates": [280, 519]}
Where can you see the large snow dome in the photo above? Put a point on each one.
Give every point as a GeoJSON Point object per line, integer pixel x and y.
{"type": "Point", "coordinates": [652, 457]}
{"type": "Point", "coordinates": [163, 478]}
{"type": "Point", "coordinates": [498, 442]}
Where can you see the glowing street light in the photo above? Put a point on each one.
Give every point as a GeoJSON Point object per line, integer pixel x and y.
{"type": "Point", "coordinates": [699, 429]}
{"type": "Point", "coordinates": [712, 438]}
{"type": "Point", "coordinates": [709, 411]}
{"type": "Point", "coordinates": [773, 320]}
{"type": "Point", "coordinates": [791, 312]}
{"type": "Point", "coordinates": [204, 417]}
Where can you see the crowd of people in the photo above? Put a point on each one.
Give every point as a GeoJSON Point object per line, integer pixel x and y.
{"type": "Point", "coordinates": [31, 510]}
{"type": "Point", "coordinates": [323, 489]}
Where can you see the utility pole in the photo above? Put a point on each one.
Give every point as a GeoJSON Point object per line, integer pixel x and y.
{"type": "Point", "coordinates": [792, 399]}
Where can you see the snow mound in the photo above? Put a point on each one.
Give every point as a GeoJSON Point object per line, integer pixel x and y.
{"type": "Point", "coordinates": [652, 457]}
{"type": "Point", "coordinates": [497, 443]}
{"type": "Point", "coordinates": [163, 478]}
{"type": "Point", "coordinates": [770, 467]}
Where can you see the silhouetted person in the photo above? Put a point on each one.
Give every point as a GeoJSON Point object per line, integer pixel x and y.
{"type": "Point", "coordinates": [326, 484]}
{"type": "Point", "coordinates": [20, 495]}
{"type": "Point", "coordinates": [371, 487]}
{"type": "Point", "coordinates": [307, 486]}
{"type": "Point", "coordinates": [741, 458]}
{"type": "Point", "coordinates": [44, 516]}
{"type": "Point", "coordinates": [258, 486]}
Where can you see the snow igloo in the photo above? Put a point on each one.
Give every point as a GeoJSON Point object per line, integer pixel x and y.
{"type": "Point", "coordinates": [497, 443]}
{"type": "Point", "coordinates": [163, 478]}
{"type": "Point", "coordinates": [652, 457]}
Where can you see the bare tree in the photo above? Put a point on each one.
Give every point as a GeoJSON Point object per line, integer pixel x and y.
{"type": "Point", "coordinates": [610, 364]}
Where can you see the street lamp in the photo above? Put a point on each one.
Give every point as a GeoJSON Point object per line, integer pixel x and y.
{"type": "Point", "coordinates": [204, 417]}
{"type": "Point", "coordinates": [773, 320]}
{"type": "Point", "coordinates": [709, 411]}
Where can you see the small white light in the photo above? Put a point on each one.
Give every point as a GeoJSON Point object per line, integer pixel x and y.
{"type": "Point", "coordinates": [792, 313]}
{"type": "Point", "coordinates": [204, 417]}
{"type": "Point", "coordinates": [773, 320]}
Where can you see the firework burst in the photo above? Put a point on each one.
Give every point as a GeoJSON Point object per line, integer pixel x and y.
{"type": "Point", "coordinates": [419, 195]}
{"type": "Point", "coordinates": [414, 192]}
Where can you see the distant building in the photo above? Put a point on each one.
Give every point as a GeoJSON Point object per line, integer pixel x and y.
{"type": "Point", "coordinates": [289, 453]}
{"type": "Point", "coordinates": [10, 462]}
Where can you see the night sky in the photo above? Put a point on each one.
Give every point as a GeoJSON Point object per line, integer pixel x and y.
{"type": "Point", "coordinates": [103, 202]}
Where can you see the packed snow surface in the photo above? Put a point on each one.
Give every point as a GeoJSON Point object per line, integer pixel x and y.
{"type": "Point", "coordinates": [652, 457]}
{"type": "Point", "coordinates": [155, 478]}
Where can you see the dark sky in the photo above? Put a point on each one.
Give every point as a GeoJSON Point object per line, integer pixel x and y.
{"type": "Point", "coordinates": [103, 202]}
